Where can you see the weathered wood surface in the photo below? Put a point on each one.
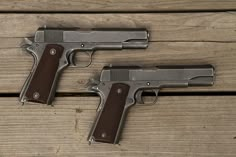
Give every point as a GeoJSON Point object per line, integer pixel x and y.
{"type": "Point", "coordinates": [115, 5]}
{"type": "Point", "coordinates": [174, 127]}
{"type": "Point", "coordinates": [162, 27]}
{"type": "Point", "coordinates": [177, 126]}
{"type": "Point", "coordinates": [16, 64]}
{"type": "Point", "coordinates": [197, 38]}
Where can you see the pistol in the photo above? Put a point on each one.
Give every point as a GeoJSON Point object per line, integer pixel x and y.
{"type": "Point", "coordinates": [121, 87]}
{"type": "Point", "coordinates": [53, 49]}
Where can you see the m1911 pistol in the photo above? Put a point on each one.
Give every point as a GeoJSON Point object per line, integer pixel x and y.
{"type": "Point", "coordinates": [53, 50]}
{"type": "Point", "coordinates": [121, 87]}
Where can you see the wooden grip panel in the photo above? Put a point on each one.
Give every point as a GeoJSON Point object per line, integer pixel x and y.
{"type": "Point", "coordinates": [44, 75]}
{"type": "Point", "coordinates": [109, 121]}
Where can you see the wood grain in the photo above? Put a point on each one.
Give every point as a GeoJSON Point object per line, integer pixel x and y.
{"type": "Point", "coordinates": [16, 64]}
{"type": "Point", "coordinates": [115, 5]}
{"type": "Point", "coordinates": [185, 38]}
{"type": "Point", "coordinates": [176, 126]}
{"type": "Point", "coordinates": [162, 27]}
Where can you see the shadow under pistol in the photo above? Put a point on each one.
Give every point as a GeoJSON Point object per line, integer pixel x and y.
{"type": "Point", "coordinates": [53, 50]}
{"type": "Point", "coordinates": [121, 87]}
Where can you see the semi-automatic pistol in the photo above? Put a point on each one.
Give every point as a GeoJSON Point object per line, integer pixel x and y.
{"type": "Point", "coordinates": [53, 49]}
{"type": "Point", "coordinates": [121, 87]}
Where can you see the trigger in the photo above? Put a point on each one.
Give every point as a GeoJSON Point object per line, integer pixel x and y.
{"type": "Point", "coordinates": [138, 97]}
{"type": "Point", "coordinates": [71, 59]}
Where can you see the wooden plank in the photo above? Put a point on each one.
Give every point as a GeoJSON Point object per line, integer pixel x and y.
{"type": "Point", "coordinates": [162, 27]}
{"type": "Point", "coordinates": [15, 64]}
{"type": "Point", "coordinates": [115, 6]}
{"type": "Point", "coordinates": [176, 39]}
{"type": "Point", "coordinates": [175, 127]}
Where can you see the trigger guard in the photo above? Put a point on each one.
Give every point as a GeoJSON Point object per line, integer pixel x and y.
{"type": "Point", "coordinates": [139, 99]}
{"type": "Point", "coordinates": [72, 55]}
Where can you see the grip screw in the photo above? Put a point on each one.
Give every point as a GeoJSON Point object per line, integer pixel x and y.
{"type": "Point", "coordinates": [103, 135]}
{"type": "Point", "coordinates": [53, 51]}
{"type": "Point", "coordinates": [36, 95]}
{"type": "Point", "coordinates": [119, 90]}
